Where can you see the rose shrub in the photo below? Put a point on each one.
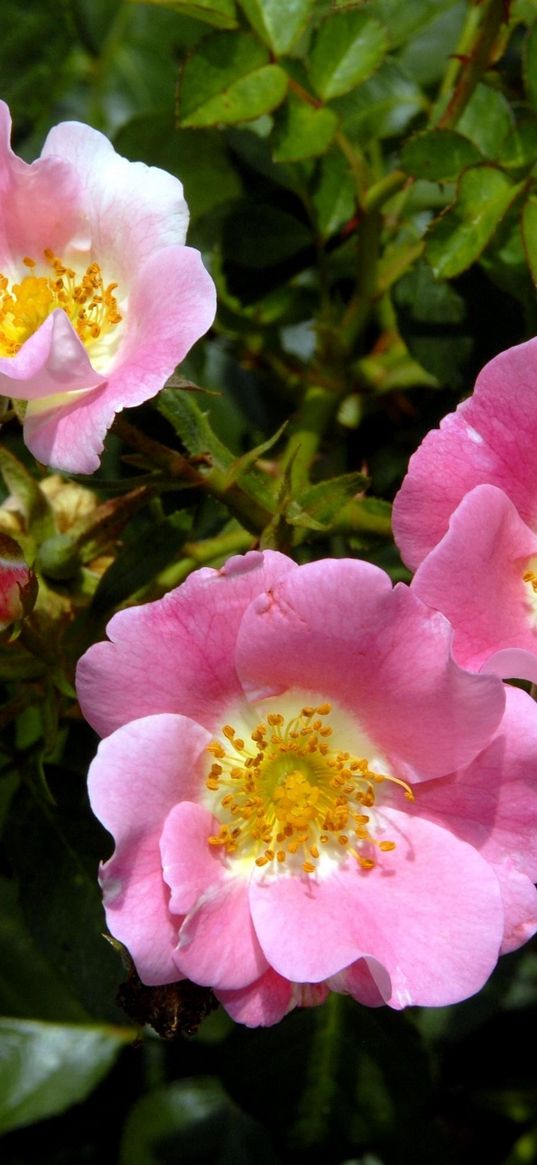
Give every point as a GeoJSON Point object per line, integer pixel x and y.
{"type": "Point", "coordinates": [99, 298]}
{"type": "Point", "coordinates": [307, 793]}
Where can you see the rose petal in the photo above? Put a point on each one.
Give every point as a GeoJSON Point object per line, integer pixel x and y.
{"type": "Point", "coordinates": [136, 777]}
{"type": "Point", "coordinates": [430, 913]}
{"type": "Point", "coordinates": [218, 946]}
{"type": "Point", "coordinates": [336, 627]}
{"type": "Point", "coordinates": [176, 654]}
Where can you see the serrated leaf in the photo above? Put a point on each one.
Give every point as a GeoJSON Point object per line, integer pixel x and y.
{"type": "Point", "coordinates": [228, 80]}
{"type": "Point", "coordinates": [529, 234]}
{"type": "Point", "coordinates": [252, 501]}
{"type": "Point", "coordinates": [519, 150]}
{"type": "Point", "coordinates": [321, 504]}
{"type": "Point", "coordinates": [219, 13]}
{"type": "Point", "coordinates": [301, 131]}
{"type": "Point", "coordinates": [383, 106]}
{"type": "Point", "coordinates": [347, 48]}
{"type": "Point", "coordinates": [487, 120]}
{"type": "Point", "coordinates": [242, 464]}
{"type": "Point", "coordinates": [47, 1067]}
{"type": "Point", "coordinates": [438, 154]}
{"type": "Point", "coordinates": [334, 197]}
{"type": "Point", "coordinates": [279, 29]}
{"type": "Point", "coordinates": [432, 318]}
{"type": "Point", "coordinates": [458, 237]}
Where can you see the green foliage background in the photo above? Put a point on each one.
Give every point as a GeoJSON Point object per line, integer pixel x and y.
{"type": "Point", "coordinates": [362, 181]}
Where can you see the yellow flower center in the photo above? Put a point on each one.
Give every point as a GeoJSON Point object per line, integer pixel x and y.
{"type": "Point", "coordinates": [91, 307]}
{"type": "Point", "coordinates": [288, 793]}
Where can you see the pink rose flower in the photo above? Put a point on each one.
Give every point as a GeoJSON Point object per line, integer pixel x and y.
{"type": "Point", "coordinates": [18, 584]}
{"type": "Point", "coordinates": [99, 299]}
{"type": "Point", "coordinates": [307, 793]}
{"type": "Point", "coordinates": [466, 517]}
{"type": "Point", "coordinates": [489, 439]}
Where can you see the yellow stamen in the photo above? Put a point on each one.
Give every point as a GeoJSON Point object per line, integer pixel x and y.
{"type": "Point", "coordinates": [286, 793]}
{"type": "Point", "coordinates": [91, 307]}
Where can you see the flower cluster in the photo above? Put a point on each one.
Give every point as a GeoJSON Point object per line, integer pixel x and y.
{"type": "Point", "coordinates": [99, 297]}
{"type": "Point", "coordinates": [307, 793]}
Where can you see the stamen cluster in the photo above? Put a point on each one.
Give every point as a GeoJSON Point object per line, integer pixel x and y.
{"type": "Point", "coordinates": [288, 791]}
{"type": "Point", "coordinates": [91, 307]}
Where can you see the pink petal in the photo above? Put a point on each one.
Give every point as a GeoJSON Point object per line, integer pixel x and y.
{"type": "Point", "coordinates": [493, 803]}
{"type": "Point", "coordinates": [474, 576]}
{"type": "Point", "coordinates": [366, 980]}
{"type": "Point", "coordinates": [40, 204]}
{"type": "Point", "coordinates": [261, 1003]}
{"type": "Point", "coordinates": [430, 913]}
{"type": "Point", "coordinates": [217, 942]}
{"type": "Point", "coordinates": [176, 654]}
{"type": "Point", "coordinates": [489, 439]}
{"type": "Point", "coordinates": [122, 200]}
{"type": "Point", "coordinates": [189, 864]}
{"type": "Point", "coordinates": [136, 777]}
{"type": "Point", "coordinates": [171, 304]}
{"type": "Point", "coordinates": [52, 361]}
{"type": "Point", "coordinates": [337, 628]}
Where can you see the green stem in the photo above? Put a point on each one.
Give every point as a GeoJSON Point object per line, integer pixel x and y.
{"type": "Point", "coordinates": [211, 552]}
{"type": "Point", "coordinates": [317, 409]}
{"type": "Point", "coordinates": [313, 1124]}
{"type": "Point", "coordinates": [473, 56]}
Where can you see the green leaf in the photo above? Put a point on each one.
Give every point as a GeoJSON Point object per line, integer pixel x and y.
{"type": "Point", "coordinates": [242, 464]}
{"type": "Point", "coordinates": [252, 500]}
{"type": "Point", "coordinates": [54, 852]}
{"type": "Point", "coordinates": [334, 197]}
{"type": "Point", "coordinates": [506, 263]}
{"type": "Point", "coordinates": [279, 29]}
{"type": "Point", "coordinates": [457, 238]}
{"type": "Point", "coordinates": [519, 150]}
{"type": "Point", "coordinates": [219, 13]}
{"type": "Point", "coordinates": [324, 501]}
{"type": "Point", "coordinates": [383, 106]}
{"type": "Point", "coordinates": [487, 120]}
{"type": "Point", "coordinates": [529, 234]}
{"type": "Point", "coordinates": [227, 80]}
{"type": "Point", "coordinates": [530, 66]}
{"type": "Point", "coordinates": [433, 323]}
{"type": "Point", "coordinates": [431, 29]}
{"type": "Point", "coordinates": [347, 48]}
{"type": "Point", "coordinates": [192, 1121]}
{"type": "Point", "coordinates": [302, 131]}
{"type": "Point", "coordinates": [27, 493]}
{"type": "Point", "coordinates": [46, 1067]}
{"type": "Point", "coordinates": [415, 22]}
{"type": "Point", "coordinates": [29, 984]}
{"type": "Point", "coordinates": [200, 160]}
{"type": "Point", "coordinates": [438, 154]}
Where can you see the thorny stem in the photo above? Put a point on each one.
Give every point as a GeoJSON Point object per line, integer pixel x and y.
{"type": "Point", "coordinates": [473, 56]}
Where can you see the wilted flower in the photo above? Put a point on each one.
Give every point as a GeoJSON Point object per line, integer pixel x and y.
{"type": "Point", "coordinates": [307, 793]}
{"type": "Point", "coordinates": [99, 299]}
{"type": "Point", "coordinates": [466, 517]}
